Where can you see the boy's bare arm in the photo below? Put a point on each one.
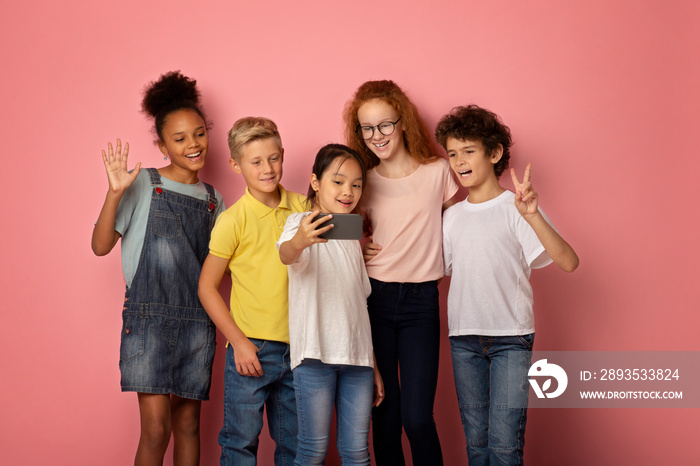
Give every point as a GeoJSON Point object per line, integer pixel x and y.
{"type": "Point", "coordinates": [526, 202]}
{"type": "Point", "coordinates": [558, 249]}
{"type": "Point", "coordinates": [244, 351]}
{"type": "Point", "coordinates": [449, 203]}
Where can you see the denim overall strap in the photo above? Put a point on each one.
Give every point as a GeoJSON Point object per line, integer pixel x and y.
{"type": "Point", "coordinates": [175, 246]}
{"type": "Point", "coordinates": [212, 201]}
{"type": "Point", "coordinates": [155, 177]}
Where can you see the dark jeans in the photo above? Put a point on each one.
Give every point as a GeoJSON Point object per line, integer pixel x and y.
{"type": "Point", "coordinates": [405, 320]}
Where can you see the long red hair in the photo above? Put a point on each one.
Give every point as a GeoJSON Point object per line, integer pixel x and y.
{"type": "Point", "coordinates": [416, 135]}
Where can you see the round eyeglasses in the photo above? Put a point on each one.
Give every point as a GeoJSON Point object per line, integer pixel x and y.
{"type": "Point", "coordinates": [386, 128]}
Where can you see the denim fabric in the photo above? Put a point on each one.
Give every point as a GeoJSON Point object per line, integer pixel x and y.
{"type": "Point", "coordinates": [167, 339]}
{"type": "Point", "coordinates": [319, 387]}
{"type": "Point", "coordinates": [492, 390]}
{"type": "Point", "coordinates": [405, 320]}
{"type": "Point", "coordinates": [244, 401]}
{"type": "Point", "coordinates": [165, 352]}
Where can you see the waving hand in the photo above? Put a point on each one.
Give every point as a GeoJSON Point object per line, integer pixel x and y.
{"type": "Point", "coordinates": [104, 236]}
{"type": "Point", "coordinates": [115, 164]}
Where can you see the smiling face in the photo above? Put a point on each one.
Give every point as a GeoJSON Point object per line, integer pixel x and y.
{"type": "Point", "coordinates": [472, 165]}
{"type": "Point", "coordinates": [185, 141]}
{"type": "Point", "coordinates": [261, 167]}
{"type": "Point", "coordinates": [373, 113]}
{"type": "Point", "coordinates": [340, 187]}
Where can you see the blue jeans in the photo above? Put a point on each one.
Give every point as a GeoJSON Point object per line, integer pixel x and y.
{"type": "Point", "coordinates": [319, 387]}
{"type": "Point", "coordinates": [405, 320]}
{"type": "Point", "coordinates": [492, 389]}
{"type": "Point", "coordinates": [244, 400]}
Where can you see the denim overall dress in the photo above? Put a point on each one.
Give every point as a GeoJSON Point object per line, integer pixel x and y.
{"type": "Point", "coordinates": [167, 338]}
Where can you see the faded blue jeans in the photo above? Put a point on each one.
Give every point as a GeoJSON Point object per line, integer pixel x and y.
{"type": "Point", "coordinates": [492, 390]}
{"type": "Point", "coordinates": [244, 400]}
{"type": "Point", "coordinates": [320, 387]}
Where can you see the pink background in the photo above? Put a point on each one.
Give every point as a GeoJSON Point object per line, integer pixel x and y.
{"type": "Point", "coordinates": [601, 96]}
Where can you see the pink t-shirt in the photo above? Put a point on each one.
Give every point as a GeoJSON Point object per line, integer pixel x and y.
{"type": "Point", "coordinates": [406, 215]}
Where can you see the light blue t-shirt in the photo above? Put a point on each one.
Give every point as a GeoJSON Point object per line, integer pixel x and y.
{"type": "Point", "coordinates": [132, 215]}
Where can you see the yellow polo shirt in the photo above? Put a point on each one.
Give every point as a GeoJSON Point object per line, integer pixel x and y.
{"type": "Point", "coordinates": [246, 234]}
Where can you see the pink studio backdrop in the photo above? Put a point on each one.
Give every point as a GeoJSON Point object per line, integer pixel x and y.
{"type": "Point", "coordinates": [601, 96]}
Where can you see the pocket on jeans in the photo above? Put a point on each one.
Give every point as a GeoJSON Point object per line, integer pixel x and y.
{"type": "Point", "coordinates": [167, 224]}
{"type": "Point", "coordinates": [133, 342]}
{"type": "Point", "coordinates": [377, 285]}
{"type": "Point", "coordinates": [260, 344]}
{"type": "Point", "coordinates": [527, 340]}
{"type": "Point", "coordinates": [428, 291]}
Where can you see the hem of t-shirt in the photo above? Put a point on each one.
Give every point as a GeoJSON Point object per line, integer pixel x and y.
{"type": "Point", "coordinates": [406, 279]}
{"type": "Point", "coordinates": [362, 362]}
{"type": "Point", "coordinates": [491, 332]}
{"type": "Point", "coordinates": [261, 338]}
{"type": "Point", "coordinates": [220, 255]}
{"type": "Point", "coordinates": [535, 254]}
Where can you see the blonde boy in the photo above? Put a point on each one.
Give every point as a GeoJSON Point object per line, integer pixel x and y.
{"type": "Point", "coordinates": [244, 241]}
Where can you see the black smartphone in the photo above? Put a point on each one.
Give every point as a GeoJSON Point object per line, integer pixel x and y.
{"type": "Point", "coordinates": [345, 226]}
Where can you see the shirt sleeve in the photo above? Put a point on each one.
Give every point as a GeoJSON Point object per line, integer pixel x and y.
{"type": "Point", "coordinates": [290, 229]}
{"type": "Point", "coordinates": [129, 201]}
{"type": "Point", "coordinates": [534, 252]}
{"type": "Point", "coordinates": [220, 205]}
{"type": "Point", "coordinates": [224, 237]}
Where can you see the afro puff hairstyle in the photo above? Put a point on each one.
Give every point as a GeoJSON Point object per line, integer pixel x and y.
{"type": "Point", "coordinates": [171, 92]}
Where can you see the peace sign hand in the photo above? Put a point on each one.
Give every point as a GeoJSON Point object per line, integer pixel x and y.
{"type": "Point", "coordinates": [115, 164]}
{"type": "Point", "coordinates": [525, 195]}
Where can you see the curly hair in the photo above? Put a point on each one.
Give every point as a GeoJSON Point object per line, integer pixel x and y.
{"type": "Point", "coordinates": [476, 124]}
{"type": "Point", "coordinates": [416, 135]}
{"type": "Point", "coordinates": [171, 92]}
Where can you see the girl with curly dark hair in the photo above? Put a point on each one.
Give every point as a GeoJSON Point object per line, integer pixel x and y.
{"type": "Point", "coordinates": [164, 217]}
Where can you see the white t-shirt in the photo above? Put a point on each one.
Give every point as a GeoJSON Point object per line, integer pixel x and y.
{"type": "Point", "coordinates": [328, 290]}
{"type": "Point", "coordinates": [490, 250]}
